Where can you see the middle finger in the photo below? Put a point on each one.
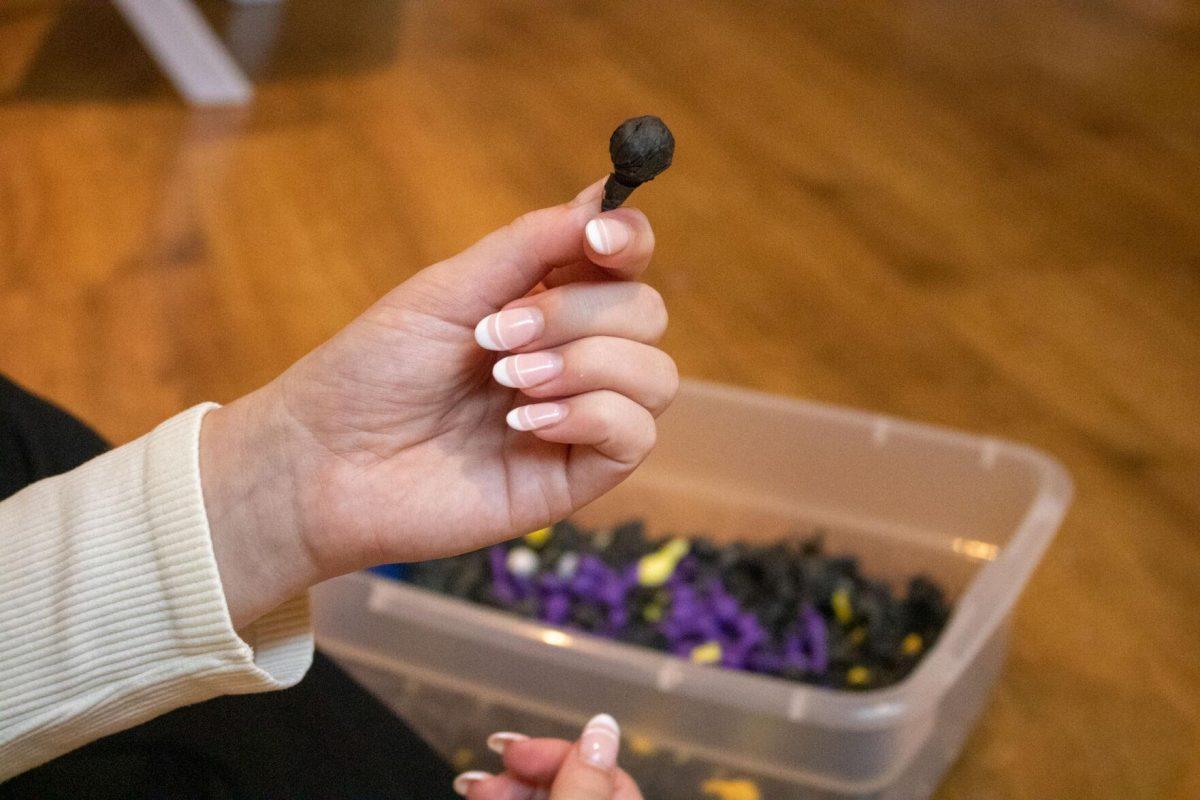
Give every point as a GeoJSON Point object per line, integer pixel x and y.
{"type": "Point", "coordinates": [624, 309]}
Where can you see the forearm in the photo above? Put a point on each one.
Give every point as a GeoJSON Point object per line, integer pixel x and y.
{"type": "Point", "coordinates": [112, 610]}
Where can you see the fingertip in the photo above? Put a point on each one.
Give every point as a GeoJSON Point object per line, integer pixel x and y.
{"type": "Point", "coordinates": [621, 240]}
{"type": "Point", "coordinates": [607, 236]}
{"type": "Point", "coordinates": [509, 328]}
{"type": "Point", "coordinates": [498, 742]}
{"type": "Point", "coordinates": [464, 782]}
{"type": "Point", "coordinates": [536, 761]}
{"type": "Point", "coordinates": [483, 334]}
{"type": "Point", "coordinates": [536, 416]}
{"type": "Point", "coordinates": [600, 741]}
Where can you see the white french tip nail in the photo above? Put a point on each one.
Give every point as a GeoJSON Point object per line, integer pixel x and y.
{"type": "Point", "coordinates": [505, 373]}
{"type": "Point", "coordinates": [499, 742]}
{"type": "Point", "coordinates": [510, 328]}
{"type": "Point", "coordinates": [606, 236]}
{"type": "Point", "coordinates": [600, 741]}
{"type": "Point", "coordinates": [527, 369]}
{"type": "Point", "coordinates": [538, 415]}
{"type": "Point", "coordinates": [483, 334]}
{"type": "Point", "coordinates": [462, 784]}
{"type": "Point", "coordinates": [605, 721]}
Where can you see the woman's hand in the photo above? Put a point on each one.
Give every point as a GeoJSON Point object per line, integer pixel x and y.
{"type": "Point", "coordinates": [553, 769]}
{"type": "Point", "coordinates": [390, 443]}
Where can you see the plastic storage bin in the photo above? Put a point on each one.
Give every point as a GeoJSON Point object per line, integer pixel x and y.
{"type": "Point", "coordinates": [972, 512]}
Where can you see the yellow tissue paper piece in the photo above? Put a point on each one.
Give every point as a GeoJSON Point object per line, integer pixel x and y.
{"type": "Point", "coordinates": [707, 653]}
{"type": "Point", "coordinates": [642, 746]}
{"type": "Point", "coordinates": [841, 606]}
{"type": "Point", "coordinates": [654, 569]}
{"type": "Point", "coordinates": [462, 758]}
{"type": "Point", "coordinates": [858, 676]}
{"type": "Point", "coordinates": [731, 790]}
{"type": "Point", "coordinates": [538, 538]}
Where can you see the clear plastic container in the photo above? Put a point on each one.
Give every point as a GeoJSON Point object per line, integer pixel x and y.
{"type": "Point", "coordinates": [974, 513]}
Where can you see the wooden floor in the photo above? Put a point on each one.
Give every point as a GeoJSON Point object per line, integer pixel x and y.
{"type": "Point", "coordinates": [982, 215]}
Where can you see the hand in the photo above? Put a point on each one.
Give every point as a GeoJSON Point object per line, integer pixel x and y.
{"type": "Point", "coordinates": [389, 442]}
{"type": "Point", "coordinates": [553, 769]}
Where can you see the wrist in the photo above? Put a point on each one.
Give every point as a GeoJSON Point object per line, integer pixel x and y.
{"type": "Point", "coordinates": [252, 506]}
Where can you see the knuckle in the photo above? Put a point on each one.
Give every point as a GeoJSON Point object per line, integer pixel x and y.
{"type": "Point", "coordinates": [522, 234]}
{"type": "Point", "coordinates": [521, 226]}
{"type": "Point", "coordinates": [553, 306]}
{"type": "Point", "coordinates": [647, 437]}
{"type": "Point", "coordinates": [654, 308]}
{"type": "Point", "coordinates": [584, 361]}
{"type": "Point", "coordinates": [609, 407]}
{"type": "Point", "coordinates": [516, 233]}
{"type": "Point", "coordinates": [670, 385]}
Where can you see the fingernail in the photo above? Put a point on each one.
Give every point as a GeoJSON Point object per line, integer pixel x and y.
{"type": "Point", "coordinates": [607, 236]}
{"type": "Point", "coordinates": [527, 369]}
{"type": "Point", "coordinates": [600, 740]}
{"type": "Point", "coordinates": [538, 415]}
{"type": "Point", "coordinates": [462, 784]}
{"type": "Point", "coordinates": [505, 330]}
{"type": "Point", "coordinates": [499, 742]}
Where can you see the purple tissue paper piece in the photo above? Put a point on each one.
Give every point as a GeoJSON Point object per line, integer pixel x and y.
{"type": "Point", "coordinates": [505, 592]}
{"type": "Point", "coordinates": [585, 584]}
{"type": "Point", "coordinates": [549, 582]}
{"type": "Point", "coordinates": [629, 576]}
{"type": "Point", "coordinates": [724, 606]}
{"type": "Point", "coordinates": [502, 582]}
{"type": "Point", "coordinates": [764, 661]}
{"type": "Point", "coordinates": [618, 618]}
{"type": "Point", "coordinates": [793, 652]}
{"type": "Point", "coordinates": [685, 570]}
{"type": "Point", "coordinates": [612, 591]}
{"type": "Point", "coordinates": [523, 587]}
{"type": "Point", "coordinates": [816, 638]}
{"type": "Point", "coordinates": [556, 608]}
{"type": "Point", "coordinates": [497, 559]}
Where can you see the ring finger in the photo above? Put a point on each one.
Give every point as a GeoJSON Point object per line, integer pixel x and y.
{"type": "Point", "coordinates": [642, 373]}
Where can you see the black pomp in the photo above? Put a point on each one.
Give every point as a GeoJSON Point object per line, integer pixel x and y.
{"type": "Point", "coordinates": [641, 148]}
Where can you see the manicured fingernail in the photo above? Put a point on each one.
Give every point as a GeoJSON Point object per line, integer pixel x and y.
{"type": "Point", "coordinates": [462, 784]}
{"type": "Point", "coordinates": [499, 742]}
{"type": "Point", "coordinates": [527, 369]}
{"type": "Point", "coordinates": [505, 330]}
{"type": "Point", "coordinates": [538, 415]}
{"type": "Point", "coordinates": [607, 236]}
{"type": "Point", "coordinates": [600, 740]}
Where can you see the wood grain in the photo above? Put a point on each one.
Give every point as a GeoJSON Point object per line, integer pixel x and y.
{"type": "Point", "coordinates": [982, 215]}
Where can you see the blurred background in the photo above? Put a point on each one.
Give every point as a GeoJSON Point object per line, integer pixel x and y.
{"type": "Point", "coordinates": [983, 215]}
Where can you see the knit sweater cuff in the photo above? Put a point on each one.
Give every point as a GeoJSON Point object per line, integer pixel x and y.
{"type": "Point", "coordinates": [111, 607]}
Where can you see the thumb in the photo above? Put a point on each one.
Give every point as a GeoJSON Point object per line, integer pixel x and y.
{"type": "Point", "coordinates": [589, 771]}
{"type": "Point", "coordinates": [509, 262]}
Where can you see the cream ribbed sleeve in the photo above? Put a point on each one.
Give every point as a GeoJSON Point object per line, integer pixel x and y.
{"type": "Point", "coordinates": [111, 608]}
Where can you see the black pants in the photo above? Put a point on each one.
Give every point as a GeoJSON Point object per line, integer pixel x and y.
{"type": "Point", "coordinates": [325, 737]}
